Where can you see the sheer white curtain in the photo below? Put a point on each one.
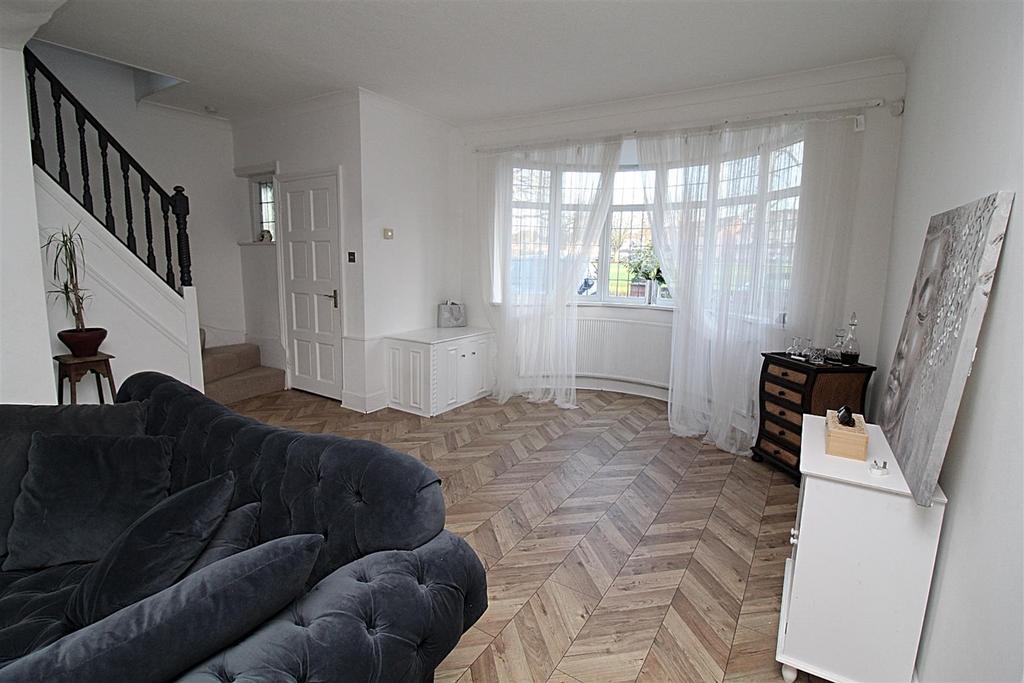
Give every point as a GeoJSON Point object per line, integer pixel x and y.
{"type": "Point", "coordinates": [750, 227]}
{"type": "Point", "coordinates": [549, 209]}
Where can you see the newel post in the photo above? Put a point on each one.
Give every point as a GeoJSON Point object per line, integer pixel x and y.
{"type": "Point", "coordinates": [179, 207]}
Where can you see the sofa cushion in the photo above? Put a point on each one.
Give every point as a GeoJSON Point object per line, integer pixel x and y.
{"type": "Point", "coordinates": [32, 607]}
{"type": "Point", "coordinates": [153, 552]}
{"type": "Point", "coordinates": [237, 532]}
{"type": "Point", "coordinates": [17, 423]}
{"type": "Point", "coordinates": [80, 493]}
{"type": "Point", "coordinates": [161, 636]}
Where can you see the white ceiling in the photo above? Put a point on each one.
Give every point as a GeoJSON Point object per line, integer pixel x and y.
{"type": "Point", "coordinates": [469, 61]}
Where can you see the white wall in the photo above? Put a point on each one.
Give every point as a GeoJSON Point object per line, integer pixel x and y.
{"type": "Point", "coordinates": [262, 319]}
{"type": "Point", "coordinates": [819, 89]}
{"type": "Point", "coordinates": [150, 326]}
{"type": "Point", "coordinates": [26, 370]}
{"type": "Point", "coordinates": [405, 187]}
{"type": "Point", "coordinates": [396, 172]}
{"type": "Point", "coordinates": [961, 141]}
{"type": "Point", "coordinates": [176, 148]}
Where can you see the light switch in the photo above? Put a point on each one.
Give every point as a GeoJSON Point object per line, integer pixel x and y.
{"type": "Point", "coordinates": [351, 257]}
{"type": "Point", "coordinates": [389, 233]}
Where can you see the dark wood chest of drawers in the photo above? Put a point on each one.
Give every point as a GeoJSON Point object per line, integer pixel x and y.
{"type": "Point", "coordinates": [789, 389]}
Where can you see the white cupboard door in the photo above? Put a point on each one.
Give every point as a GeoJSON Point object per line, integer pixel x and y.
{"type": "Point", "coordinates": [482, 350]}
{"type": "Point", "coordinates": [469, 370]}
{"type": "Point", "coordinates": [310, 239]}
{"type": "Point", "coordinates": [450, 375]}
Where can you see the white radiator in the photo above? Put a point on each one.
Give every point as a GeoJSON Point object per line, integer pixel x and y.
{"type": "Point", "coordinates": [624, 350]}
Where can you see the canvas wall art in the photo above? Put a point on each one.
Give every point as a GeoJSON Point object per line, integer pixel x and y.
{"type": "Point", "coordinates": [937, 344]}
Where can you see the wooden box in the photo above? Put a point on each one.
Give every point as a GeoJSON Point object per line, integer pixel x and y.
{"type": "Point", "coordinates": [846, 442]}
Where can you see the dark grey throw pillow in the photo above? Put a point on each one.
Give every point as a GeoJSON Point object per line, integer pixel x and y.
{"type": "Point", "coordinates": [158, 638]}
{"type": "Point", "coordinates": [153, 552]}
{"type": "Point", "coordinates": [236, 533]}
{"type": "Point", "coordinates": [81, 492]}
{"type": "Point", "coordinates": [18, 422]}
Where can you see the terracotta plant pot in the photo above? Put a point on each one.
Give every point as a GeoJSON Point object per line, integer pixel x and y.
{"type": "Point", "coordinates": [83, 343]}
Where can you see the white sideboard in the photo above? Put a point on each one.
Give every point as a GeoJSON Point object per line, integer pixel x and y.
{"type": "Point", "coordinates": [434, 370]}
{"type": "Point", "coordinates": [856, 583]}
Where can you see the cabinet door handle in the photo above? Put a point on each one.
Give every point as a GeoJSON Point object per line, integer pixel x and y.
{"type": "Point", "coordinates": [463, 355]}
{"type": "Point", "coordinates": [474, 353]}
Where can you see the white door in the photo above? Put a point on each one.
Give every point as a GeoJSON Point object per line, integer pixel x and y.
{"type": "Point", "coordinates": [312, 260]}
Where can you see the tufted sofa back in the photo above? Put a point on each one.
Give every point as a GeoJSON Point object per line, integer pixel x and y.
{"type": "Point", "coordinates": [360, 495]}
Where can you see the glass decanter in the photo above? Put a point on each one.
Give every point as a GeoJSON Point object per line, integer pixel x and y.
{"type": "Point", "coordinates": [850, 353]}
{"type": "Point", "coordinates": [834, 353]}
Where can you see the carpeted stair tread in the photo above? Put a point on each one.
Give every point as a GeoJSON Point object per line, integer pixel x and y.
{"type": "Point", "coordinates": [245, 384]}
{"type": "Point", "coordinates": [223, 361]}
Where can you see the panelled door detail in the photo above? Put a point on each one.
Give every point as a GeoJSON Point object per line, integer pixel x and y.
{"type": "Point", "coordinates": [312, 261]}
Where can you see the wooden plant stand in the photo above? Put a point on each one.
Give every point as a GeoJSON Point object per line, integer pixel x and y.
{"type": "Point", "coordinates": [74, 369]}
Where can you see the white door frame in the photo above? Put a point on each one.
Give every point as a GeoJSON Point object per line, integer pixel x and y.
{"type": "Point", "coordinates": [282, 311]}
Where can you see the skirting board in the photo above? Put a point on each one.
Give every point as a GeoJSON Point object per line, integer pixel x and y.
{"type": "Point", "coordinates": [364, 404]}
{"type": "Point", "coordinates": [622, 386]}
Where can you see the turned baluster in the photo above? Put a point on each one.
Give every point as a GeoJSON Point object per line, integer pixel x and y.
{"type": "Point", "coordinates": [37, 142]}
{"type": "Point", "coordinates": [165, 208]}
{"type": "Point", "coordinates": [62, 173]}
{"type": "Point", "coordinates": [108, 219]}
{"type": "Point", "coordinates": [130, 241]}
{"type": "Point", "coordinates": [179, 205]}
{"type": "Point", "coordinates": [86, 191]}
{"type": "Point", "coordinates": [150, 256]}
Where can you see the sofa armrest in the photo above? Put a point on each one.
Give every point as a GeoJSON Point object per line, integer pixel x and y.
{"type": "Point", "coordinates": [389, 616]}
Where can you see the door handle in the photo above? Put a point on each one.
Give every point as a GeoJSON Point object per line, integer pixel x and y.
{"type": "Point", "coordinates": [333, 296]}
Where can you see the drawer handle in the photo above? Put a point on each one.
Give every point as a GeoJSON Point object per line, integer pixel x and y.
{"type": "Point", "coordinates": [782, 413]}
{"type": "Point", "coordinates": [784, 374]}
{"type": "Point", "coordinates": [782, 432]}
{"type": "Point", "coordinates": [463, 355]}
{"type": "Point", "coordinates": [776, 452]}
{"type": "Point", "coordinates": [474, 353]}
{"type": "Point", "coordinates": [782, 392]}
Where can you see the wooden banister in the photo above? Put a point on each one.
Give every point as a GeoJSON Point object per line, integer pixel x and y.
{"type": "Point", "coordinates": [117, 211]}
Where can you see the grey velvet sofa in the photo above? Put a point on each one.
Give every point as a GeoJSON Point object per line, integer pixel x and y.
{"type": "Point", "coordinates": [391, 591]}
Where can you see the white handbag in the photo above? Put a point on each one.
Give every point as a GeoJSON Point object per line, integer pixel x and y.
{"type": "Point", "coordinates": [451, 314]}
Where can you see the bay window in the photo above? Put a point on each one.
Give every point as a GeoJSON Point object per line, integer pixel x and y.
{"type": "Point", "coordinates": [721, 202]}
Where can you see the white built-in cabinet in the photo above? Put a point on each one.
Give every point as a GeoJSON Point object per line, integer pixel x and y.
{"type": "Point", "coordinates": [434, 370]}
{"type": "Point", "coordinates": [856, 583]}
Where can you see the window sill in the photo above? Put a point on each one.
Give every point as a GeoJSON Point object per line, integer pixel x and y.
{"type": "Point", "coordinates": [621, 304]}
{"type": "Point", "coordinates": [610, 304]}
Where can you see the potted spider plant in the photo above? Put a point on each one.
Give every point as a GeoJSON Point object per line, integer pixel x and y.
{"type": "Point", "coordinates": [67, 250]}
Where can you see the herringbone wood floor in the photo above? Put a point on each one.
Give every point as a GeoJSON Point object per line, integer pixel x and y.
{"type": "Point", "coordinates": [614, 550]}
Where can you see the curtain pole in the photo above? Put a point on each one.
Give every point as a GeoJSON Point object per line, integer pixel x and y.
{"type": "Point", "coordinates": [825, 113]}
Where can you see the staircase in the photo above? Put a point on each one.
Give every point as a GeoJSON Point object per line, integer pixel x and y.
{"type": "Point", "coordinates": [106, 180]}
{"type": "Point", "coordinates": [138, 267]}
{"type": "Point", "coordinates": [233, 373]}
